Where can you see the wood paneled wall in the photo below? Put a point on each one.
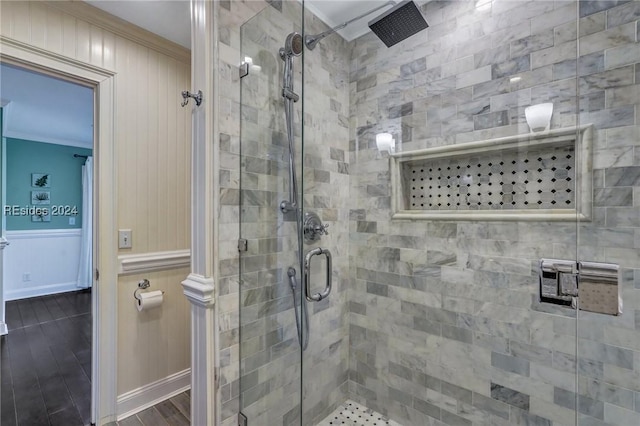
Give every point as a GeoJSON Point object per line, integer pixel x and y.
{"type": "Point", "coordinates": [153, 135]}
{"type": "Point", "coordinates": [158, 340]}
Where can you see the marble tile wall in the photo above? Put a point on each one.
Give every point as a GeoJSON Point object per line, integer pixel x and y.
{"type": "Point", "coordinates": [260, 367]}
{"type": "Point", "coordinates": [444, 323]}
{"type": "Point", "coordinates": [443, 327]}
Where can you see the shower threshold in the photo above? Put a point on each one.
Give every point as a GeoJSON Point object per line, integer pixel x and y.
{"type": "Point", "coordinates": [353, 414]}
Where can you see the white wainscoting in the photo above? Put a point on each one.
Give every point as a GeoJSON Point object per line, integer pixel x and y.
{"type": "Point", "coordinates": [49, 256]}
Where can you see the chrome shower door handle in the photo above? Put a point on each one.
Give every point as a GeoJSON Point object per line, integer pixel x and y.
{"type": "Point", "coordinates": [307, 275]}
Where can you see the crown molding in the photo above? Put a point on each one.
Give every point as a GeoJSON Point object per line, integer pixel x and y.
{"type": "Point", "coordinates": [118, 26]}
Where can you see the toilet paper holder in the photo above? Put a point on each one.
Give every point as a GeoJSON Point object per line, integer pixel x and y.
{"type": "Point", "coordinates": [142, 285]}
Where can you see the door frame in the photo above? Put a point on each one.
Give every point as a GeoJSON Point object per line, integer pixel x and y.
{"type": "Point", "coordinates": [3, 221]}
{"type": "Point", "coordinates": [104, 294]}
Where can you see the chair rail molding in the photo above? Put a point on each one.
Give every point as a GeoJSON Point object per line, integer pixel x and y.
{"type": "Point", "coordinates": [157, 261]}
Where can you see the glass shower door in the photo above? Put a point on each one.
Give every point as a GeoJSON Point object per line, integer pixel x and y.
{"type": "Point", "coordinates": [270, 355]}
{"type": "Point", "coordinates": [608, 384]}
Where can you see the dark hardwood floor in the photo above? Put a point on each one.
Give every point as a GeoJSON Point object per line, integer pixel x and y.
{"type": "Point", "coordinates": [46, 361]}
{"type": "Point", "coordinates": [45, 367]}
{"type": "Point", "coordinates": [172, 412]}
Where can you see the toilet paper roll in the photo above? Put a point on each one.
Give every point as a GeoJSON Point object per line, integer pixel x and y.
{"type": "Point", "coordinates": [149, 300]}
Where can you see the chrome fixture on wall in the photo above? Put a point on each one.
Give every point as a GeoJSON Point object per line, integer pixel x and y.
{"type": "Point", "coordinates": [313, 227]}
{"type": "Point", "coordinates": [312, 40]}
{"type": "Point", "coordinates": [197, 97]}
{"type": "Point", "coordinates": [400, 22]}
{"type": "Point", "coordinates": [293, 47]}
{"type": "Point", "coordinates": [307, 275]}
{"type": "Point", "coordinates": [588, 286]}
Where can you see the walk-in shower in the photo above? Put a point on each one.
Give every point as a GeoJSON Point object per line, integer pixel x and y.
{"type": "Point", "coordinates": [476, 269]}
{"type": "Point", "coordinates": [400, 22]}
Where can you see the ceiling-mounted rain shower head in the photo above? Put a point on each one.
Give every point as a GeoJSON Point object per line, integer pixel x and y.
{"type": "Point", "coordinates": [293, 44]}
{"type": "Point", "coordinates": [312, 40]}
{"type": "Point", "coordinates": [398, 23]}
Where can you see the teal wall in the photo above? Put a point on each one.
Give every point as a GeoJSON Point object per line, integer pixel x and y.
{"type": "Point", "coordinates": [65, 178]}
{"type": "Point", "coordinates": [1, 173]}
{"type": "Point", "coordinates": [3, 224]}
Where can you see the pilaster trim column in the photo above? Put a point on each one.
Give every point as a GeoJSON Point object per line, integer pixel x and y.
{"type": "Point", "coordinates": [200, 292]}
{"type": "Point", "coordinates": [199, 287]}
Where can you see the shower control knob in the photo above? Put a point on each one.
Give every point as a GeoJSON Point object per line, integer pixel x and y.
{"type": "Point", "coordinates": [313, 227]}
{"type": "Point", "coordinates": [322, 229]}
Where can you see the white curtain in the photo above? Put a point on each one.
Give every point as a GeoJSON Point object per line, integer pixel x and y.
{"type": "Point", "coordinates": [85, 271]}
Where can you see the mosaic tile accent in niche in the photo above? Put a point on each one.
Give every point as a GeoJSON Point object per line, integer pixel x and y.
{"type": "Point", "coordinates": [541, 178]}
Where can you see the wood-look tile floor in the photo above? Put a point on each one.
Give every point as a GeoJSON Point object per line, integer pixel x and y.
{"type": "Point", "coordinates": [45, 361]}
{"type": "Point", "coordinates": [172, 412]}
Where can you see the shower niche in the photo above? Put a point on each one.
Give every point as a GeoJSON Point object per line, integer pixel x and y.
{"type": "Point", "coordinates": [543, 176]}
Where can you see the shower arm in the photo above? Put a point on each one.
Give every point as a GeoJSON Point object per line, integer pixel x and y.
{"type": "Point", "coordinates": [311, 40]}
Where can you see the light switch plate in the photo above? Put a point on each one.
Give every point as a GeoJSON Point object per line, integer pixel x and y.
{"type": "Point", "coordinates": [124, 239]}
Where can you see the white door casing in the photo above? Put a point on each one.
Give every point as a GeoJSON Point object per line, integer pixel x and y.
{"type": "Point", "coordinates": [3, 225]}
{"type": "Point", "coordinates": [104, 295]}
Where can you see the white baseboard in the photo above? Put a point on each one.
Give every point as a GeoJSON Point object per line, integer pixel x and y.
{"type": "Point", "coordinates": [3, 328]}
{"type": "Point", "coordinates": [42, 290]}
{"type": "Point", "coordinates": [134, 401]}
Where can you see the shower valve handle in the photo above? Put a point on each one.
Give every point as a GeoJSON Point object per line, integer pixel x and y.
{"type": "Point", "coordinates": [322, 229]}
{"type": "Point", "coordinates": [313, 227]}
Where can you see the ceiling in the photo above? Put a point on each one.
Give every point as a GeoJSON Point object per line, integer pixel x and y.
{"type": "Point", "coordinates": [334, 13]}
{"type": "Point", "coordinates": [167, 18]}
{"type": "Point", "coordinates": [171, 19]}
{"type": "Point", "coordinates": [45, 109]}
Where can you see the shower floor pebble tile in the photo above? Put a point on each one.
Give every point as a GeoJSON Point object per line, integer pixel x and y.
{"type": "Point", "coordinates": [353, 414]}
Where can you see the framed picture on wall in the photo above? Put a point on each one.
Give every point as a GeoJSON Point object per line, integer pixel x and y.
{"type": "Point", "coordinates": [40, 180]}
{"type": "Point", "coordinates": [40, 197]}
{"type": "Point", "coordinates": [41, 218]}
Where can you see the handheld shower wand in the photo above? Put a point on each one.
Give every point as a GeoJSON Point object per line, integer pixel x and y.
{"type": "Point", "coordinates": [292, 47]}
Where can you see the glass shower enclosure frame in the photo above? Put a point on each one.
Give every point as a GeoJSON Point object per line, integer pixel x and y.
{"type": "Point", "coordinates": [457, 250]}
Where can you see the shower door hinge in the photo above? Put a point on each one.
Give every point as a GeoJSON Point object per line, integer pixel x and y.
{"type": "Point", "coordinates": [243, 244]}
{"type": "Point", "coordinates": [244, 69]}
{"type": "Point", "coordinates": [242, 420]}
